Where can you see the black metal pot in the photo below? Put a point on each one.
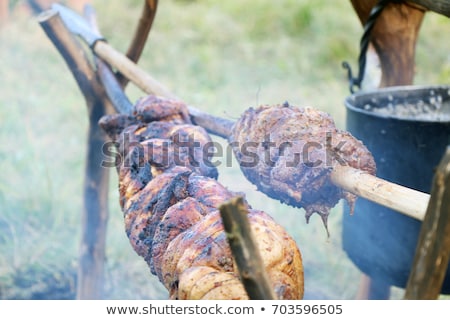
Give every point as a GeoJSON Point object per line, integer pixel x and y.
{"type": "Point", "coordinates": [407, 146]}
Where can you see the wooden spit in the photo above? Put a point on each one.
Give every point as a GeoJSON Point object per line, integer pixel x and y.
{"type": "Point", "coordinates": [404, 200]}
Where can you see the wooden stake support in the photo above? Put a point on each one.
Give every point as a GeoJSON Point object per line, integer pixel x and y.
{"type": "Point", "coordinates": [95, 199]}
{"type": "Point", "coordinates": [433, 249]}
{"type": "Point", "coordinates": [95, 213]}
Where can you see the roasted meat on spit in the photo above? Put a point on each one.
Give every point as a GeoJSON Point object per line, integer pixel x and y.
{"type": "Point", "coordinates": [170, 197]}
{"type": "Point", "coordinates": [289, 152]}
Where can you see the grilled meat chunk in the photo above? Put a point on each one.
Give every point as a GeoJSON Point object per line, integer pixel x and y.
{"type": "Point", "coordinates": [170, 197]}
{"type": "Point", "coordinates": [289, 152]}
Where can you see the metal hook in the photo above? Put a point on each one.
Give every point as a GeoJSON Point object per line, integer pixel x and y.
{"type": "Point", "coordinates": [364, 45]}
{"type": "Point", "coordinates": [353, 82]}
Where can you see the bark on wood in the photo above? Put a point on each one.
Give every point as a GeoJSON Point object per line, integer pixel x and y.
{"type": "Point", "coordinates": [245, 251]}
{"type": "Point", "coordinates": [95, 201]}
{"type": "Point", "coordinates": [433, 249]}
{"type": "Point", "coordinates": [437, 6]}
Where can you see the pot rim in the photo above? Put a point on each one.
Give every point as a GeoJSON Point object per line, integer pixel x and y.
{"type": "Point", "coordinates": [398, 92]}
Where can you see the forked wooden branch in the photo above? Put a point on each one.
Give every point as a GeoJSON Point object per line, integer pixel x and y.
{"type": "Point", "coordinates": [243, 246]}
{"type": "Point", "coordinates": [95, 201]}
{"type": "Point", "coordinates": [433, 248]}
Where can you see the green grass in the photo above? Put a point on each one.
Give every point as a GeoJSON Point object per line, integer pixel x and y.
{"type": "Point", "coordinates": [221, 56]}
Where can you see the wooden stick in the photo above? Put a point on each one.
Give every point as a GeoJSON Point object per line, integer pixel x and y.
{"type": "Point", "coordinates": [410, 202]}
{"type": "Point", "coordinates": [404, 200]}
{"type": "Point", "coordinates": [130, 70]}
{"type": "Point", "coordinates": [95, 199]}
{"type": "Point", "coordinates": [433, 249]}
{"type": "Point", "coordinates": [245, 251]}
{"type": "Point", "coordinates": [148, 84]}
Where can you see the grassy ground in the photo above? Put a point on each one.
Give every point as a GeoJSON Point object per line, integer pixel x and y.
{"type": "Point", "coordinates": [220, 56]}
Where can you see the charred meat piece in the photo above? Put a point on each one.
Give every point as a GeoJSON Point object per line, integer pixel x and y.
{"type": "Point", "coordinates": [169, 195]}
{"type": "Point", "coordinates": [289, 152]}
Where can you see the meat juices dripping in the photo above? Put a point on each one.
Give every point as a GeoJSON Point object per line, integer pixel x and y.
{"type": "Point", "coordinates": [296, 149]}
{"type": "Point", "coordinates": [170, 197]}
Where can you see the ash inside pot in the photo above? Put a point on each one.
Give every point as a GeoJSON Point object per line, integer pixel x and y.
{"type": "Point", "coordinates": [434, 107]}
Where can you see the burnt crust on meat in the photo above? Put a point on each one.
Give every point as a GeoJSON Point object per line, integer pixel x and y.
{"type": "Point", "coordinates": [170, 196]}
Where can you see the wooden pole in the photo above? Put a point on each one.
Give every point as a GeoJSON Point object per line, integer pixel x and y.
{"type": "Point", "coordinates": [437, 6]}
{"type": "Point", "coordinates": [95, 198]}
{"type": "Point", "coordinates": [433, 249]}
{"type": "Point", "coordinates": [245, 251]}
{"type": "Point", "coordinates": [410, 202]}
{"type": "Point", "coordinates": [130, 70]}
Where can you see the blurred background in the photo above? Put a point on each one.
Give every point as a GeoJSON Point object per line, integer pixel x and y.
{"type": "Point", "coordinates": [221, 56]}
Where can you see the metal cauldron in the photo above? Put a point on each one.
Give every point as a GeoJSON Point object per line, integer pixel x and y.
{"type": "Point", "coordinates": [407, 129]}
